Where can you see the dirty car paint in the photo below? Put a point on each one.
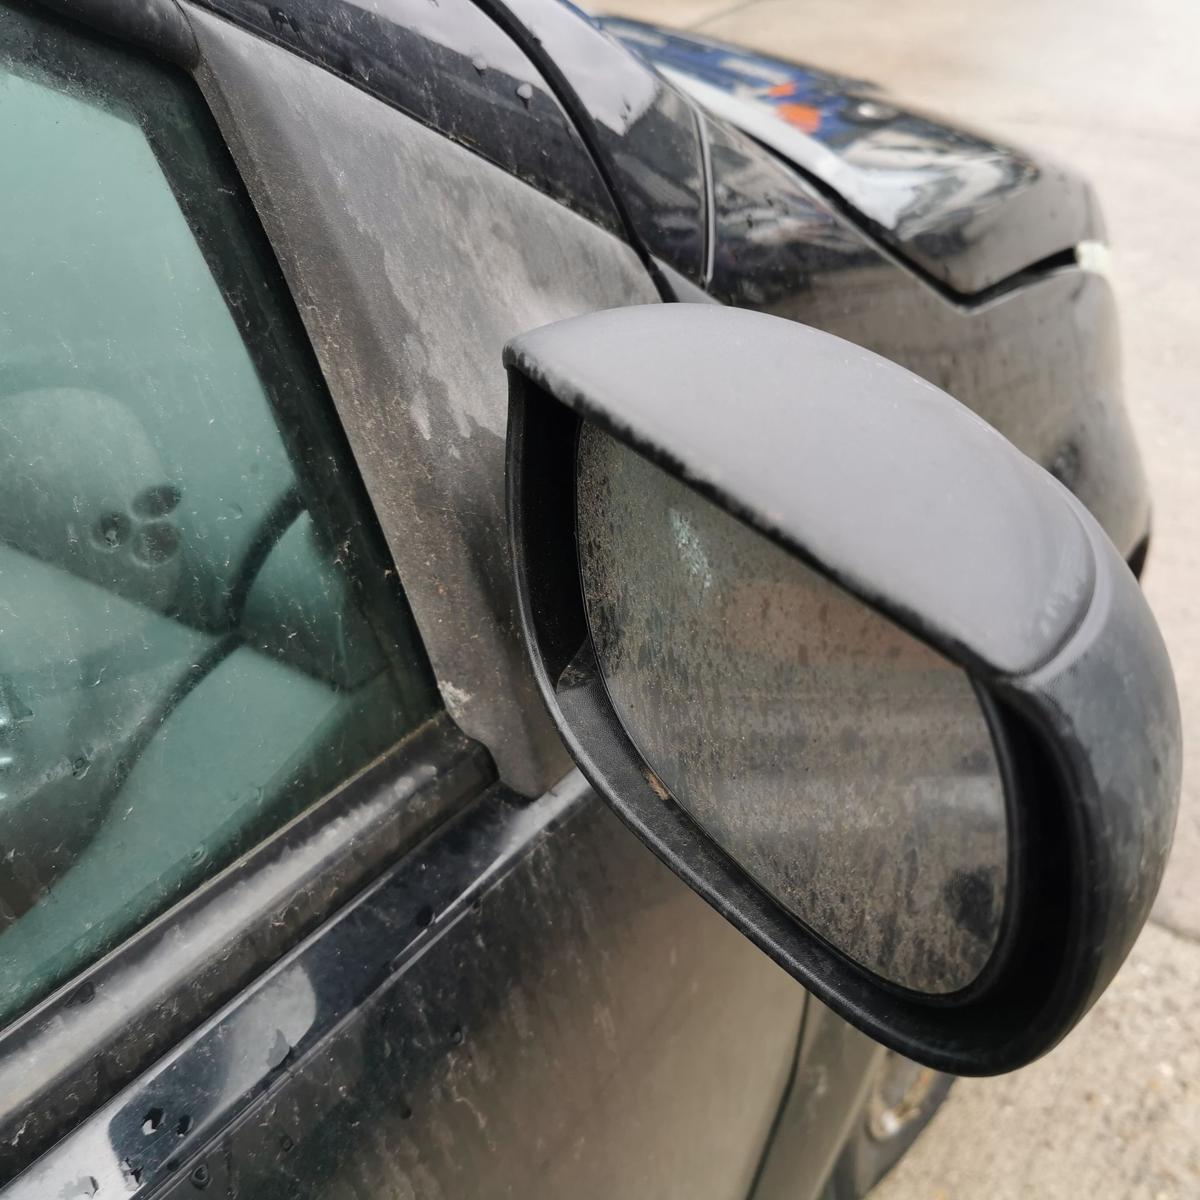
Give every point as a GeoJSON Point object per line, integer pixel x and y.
{"type": "Point", "coordinates": [967, 211]}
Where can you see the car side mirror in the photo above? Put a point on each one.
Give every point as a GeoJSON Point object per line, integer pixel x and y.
{"type": "Point", "coordinates": [867, 678]}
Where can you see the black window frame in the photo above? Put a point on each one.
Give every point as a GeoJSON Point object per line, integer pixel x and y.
{"type": "Point", "coordinates": [79, 1045]}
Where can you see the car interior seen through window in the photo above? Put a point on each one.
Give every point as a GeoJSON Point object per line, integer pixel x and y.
{"type": "Point", "coordinates": [199, 634]}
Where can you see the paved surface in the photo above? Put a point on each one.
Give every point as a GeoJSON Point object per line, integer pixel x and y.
{"type": "Point", "coordinates": [1112, 86]}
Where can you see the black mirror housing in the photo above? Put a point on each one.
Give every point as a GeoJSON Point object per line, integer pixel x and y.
{"type": "Point", "coordinates": [907, 501]}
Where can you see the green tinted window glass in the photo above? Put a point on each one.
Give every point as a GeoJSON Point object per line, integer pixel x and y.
{"type": "Point", "coordinates": [199, 633]}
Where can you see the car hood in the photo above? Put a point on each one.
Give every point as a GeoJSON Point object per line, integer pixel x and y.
{"type": "Point", "coordinates": [964, 210]}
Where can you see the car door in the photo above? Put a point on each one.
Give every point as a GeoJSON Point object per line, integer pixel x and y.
{"type": "Point", "coordinates": [304, 899]}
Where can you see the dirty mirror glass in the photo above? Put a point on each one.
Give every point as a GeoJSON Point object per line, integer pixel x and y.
{"type": "Point", "coordinates": [844, 765]}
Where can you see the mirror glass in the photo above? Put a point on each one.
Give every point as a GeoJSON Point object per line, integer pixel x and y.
{"type": "Point", "coordinates": [847, 767]}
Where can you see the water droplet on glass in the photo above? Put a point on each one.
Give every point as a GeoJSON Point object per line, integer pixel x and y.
{"type": "Point", "coordinates": [156, 543]}
{"type": "Point", "coordinates": [111, 530]}
{"type": "Point", "coordinates": [157, 501]}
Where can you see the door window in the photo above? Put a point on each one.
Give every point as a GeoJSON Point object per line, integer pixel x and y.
{"type": "Point", "coordinates": [199, 633]}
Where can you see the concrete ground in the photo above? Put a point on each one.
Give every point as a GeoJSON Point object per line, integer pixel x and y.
{"type": "Point", "coordinates": [1112, 86]}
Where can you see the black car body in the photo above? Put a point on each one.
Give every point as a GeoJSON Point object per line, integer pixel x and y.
{"type": "Point", "coordinates": [437, 966]}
